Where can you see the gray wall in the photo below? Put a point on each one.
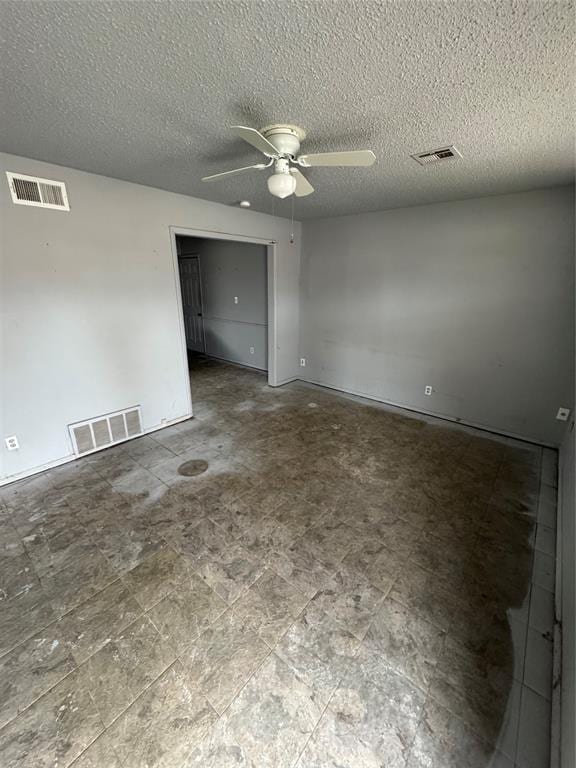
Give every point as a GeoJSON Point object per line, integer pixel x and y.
{"type": "Point", "coordinates": [474, 298]}
{"type": "Point", "coordinates": [231, 269]}
{"type": "Point", "coordinates": [90, 319]}
{"type": "Point", "coordinates": [567, 553]}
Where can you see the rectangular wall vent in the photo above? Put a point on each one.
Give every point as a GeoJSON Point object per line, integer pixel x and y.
{"type": "Point", "coordinates": [437, 155]}
{"type": "Point", "coordinates": [102, 431]}
{"type": "Point", "coordinates": [43, 193]}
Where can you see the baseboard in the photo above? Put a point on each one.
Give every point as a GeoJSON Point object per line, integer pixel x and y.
{"type": "Point", "coordinates": [72, 457]}
{"type": "Point", "coordinates": [37, 470]}
{"type": "Point", "coordinates": [236, 363]}
{"type": "Point", "coordinates": [170, 423]}
{"type": "Point", "coordinates": [430, 414]}
{"type": "Point", "coordinates": [286, 381]}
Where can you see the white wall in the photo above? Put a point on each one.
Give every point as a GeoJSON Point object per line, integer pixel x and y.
{"type": "Point", "coordinates": [90, 321]}
{"type": "Point", "coordinates": [229, 270]}
{"type": "Point", "coordinates": [473, 297]}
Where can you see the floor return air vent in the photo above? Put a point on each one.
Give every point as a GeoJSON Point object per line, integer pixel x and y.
{"type": "Point", "coordinates": [95, 434]}
{"type": "Point", "coordinates": [43, 193]}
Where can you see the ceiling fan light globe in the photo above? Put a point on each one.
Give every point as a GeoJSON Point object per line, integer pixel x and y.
{"type": "Point", "coordinates": [281, 185]}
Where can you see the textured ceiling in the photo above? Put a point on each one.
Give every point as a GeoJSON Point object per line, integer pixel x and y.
{"type": "Point", "coordinates": [144, 91]}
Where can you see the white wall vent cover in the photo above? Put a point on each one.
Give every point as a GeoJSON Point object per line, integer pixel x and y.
{"type": "Point", "coordinates": [437, 155]}
{"type": "Point", "coordinates": [95, 434]}
{"type": "Point", "coordinates": [43, 193]}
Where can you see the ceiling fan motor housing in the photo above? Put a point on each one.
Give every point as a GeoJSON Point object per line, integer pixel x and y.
{"type": "Point", "coordinates": [286, 138]}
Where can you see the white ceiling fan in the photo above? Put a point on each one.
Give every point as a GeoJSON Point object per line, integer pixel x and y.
{"type": "Point", "coordinates": [281, 145]}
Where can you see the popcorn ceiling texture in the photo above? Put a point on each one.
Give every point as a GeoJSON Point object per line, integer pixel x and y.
{"type": "Point", "coordinates": [144, 91]}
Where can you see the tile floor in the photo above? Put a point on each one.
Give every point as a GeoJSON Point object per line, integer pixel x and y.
{"type": "Point", "coordinates": [345, 586]}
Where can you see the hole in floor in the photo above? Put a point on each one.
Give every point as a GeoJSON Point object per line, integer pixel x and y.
{"type": "Point", "coordinates": [192, 468]}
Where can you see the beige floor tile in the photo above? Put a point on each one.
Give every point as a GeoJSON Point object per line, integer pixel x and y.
{"type": "Point", "coordinates": [91, 625]}
{"type": "Point", "coordinates": [54, 730]}
{"type": "Point", "coordinates": [125, 666]}
{"type": "Point", "coordinates": [163, 725]}
{"type": "Point", "coordinates": [270, 606]}
{"type": "Point", "coordinates": [222, 659]}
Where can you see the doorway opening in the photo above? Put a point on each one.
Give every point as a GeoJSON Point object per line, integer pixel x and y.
{"type": "Point", "coordinates": [226, 287]}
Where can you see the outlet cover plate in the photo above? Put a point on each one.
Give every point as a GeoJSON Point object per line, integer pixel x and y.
{"type": "Point", "coordinates": [563, 414]}
{"type": "Point", "coordinates": [12, 443]}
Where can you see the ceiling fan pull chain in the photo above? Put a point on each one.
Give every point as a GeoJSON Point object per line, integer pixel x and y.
{"type": "Point", "coordinates": [292, 222]}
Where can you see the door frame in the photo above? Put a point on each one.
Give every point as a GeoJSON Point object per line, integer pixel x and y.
{"type": "Point", "coordinates": [197, 257]}
{"type": "Point", "coordinates": [271, 257]}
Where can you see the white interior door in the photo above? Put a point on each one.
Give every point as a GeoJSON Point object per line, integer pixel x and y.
{"type": "Point", "coordinates": [192, 302]}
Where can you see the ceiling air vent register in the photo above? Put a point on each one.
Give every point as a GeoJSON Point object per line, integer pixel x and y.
{"type": "Point", "coordinates": [42, 193]}
{"type": "Point", "coordinates": [437, 155]}
{"type": "Point", "coordinates": [94, 434]}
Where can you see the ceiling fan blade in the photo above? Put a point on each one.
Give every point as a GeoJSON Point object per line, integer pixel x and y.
{"type": "Point", "coordinates": [225, 174]}
{"type": "Point", "coordinates": [303, 186]}
{"type": "Point", "coordinates": [357, 157]}
{"type": "Point", "coordinates": [254, 137]}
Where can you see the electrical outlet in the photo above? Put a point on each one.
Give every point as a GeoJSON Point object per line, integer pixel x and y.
{"type": "Point", "coordinates": [235, 299]}
{"type": "Point", "coordinates": [302, 362]}
{"type": "Point", "coordinates": [12, 443]}
{"type": "Point", "coordinates": [427, 390]}
{"type": "Point", "coordinates": [563, 414]}
{"type": "Point", "coordinates": [251, 350]}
